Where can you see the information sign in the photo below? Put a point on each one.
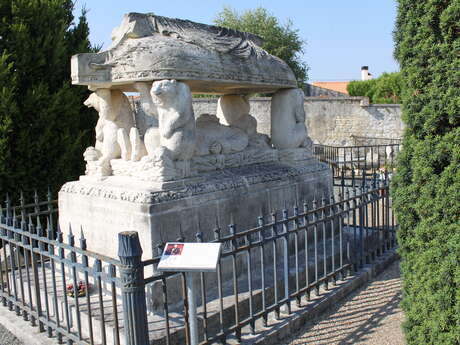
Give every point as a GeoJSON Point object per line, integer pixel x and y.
{"type": "Point", "coordinates": [190, 257]}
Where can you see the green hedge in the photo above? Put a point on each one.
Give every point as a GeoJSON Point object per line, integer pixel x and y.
{"type": "Point", "coordinates": [426, 188]}
{"type": "Point", "coordinates": [385, 89]}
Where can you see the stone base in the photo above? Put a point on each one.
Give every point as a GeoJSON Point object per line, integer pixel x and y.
{"type": "Point", "coordinates": [165, 211]}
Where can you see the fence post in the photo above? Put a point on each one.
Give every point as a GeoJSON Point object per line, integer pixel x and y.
{"type": "Point", "coordinates": [133, 289]}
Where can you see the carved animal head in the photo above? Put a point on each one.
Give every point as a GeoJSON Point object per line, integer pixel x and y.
{"type": "Point", "coordinates": [164, 91]}
{"type": "Point", "coordinates": [92, 101]}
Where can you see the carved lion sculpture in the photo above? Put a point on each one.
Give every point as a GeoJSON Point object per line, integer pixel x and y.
{"type": "Point", "coordinates": [233, 110]}
{"type": "Point", "coordinates": [115, 114]}
{"type": "Point", "coordinates": [288, 119]}
{"type": "Point", "coordinates": [215, 138]}
{"type": "Point", "coordinates": [175, 118]}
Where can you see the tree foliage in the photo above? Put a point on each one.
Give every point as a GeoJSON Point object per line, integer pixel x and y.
{"type": "Point", "coordinates": [385, 89]}
{"type": "Point", "coordinates": [44, 126]}
{"type": "Point", "coordinates": [280, 40]}
{"type": "Point", "coordinates": [426, 189]}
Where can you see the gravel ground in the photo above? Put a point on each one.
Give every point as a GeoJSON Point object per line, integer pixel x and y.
{"type": "Point", "coordinates": [7, 338]}
{"type": "Point", "coordinates": [369, 316]}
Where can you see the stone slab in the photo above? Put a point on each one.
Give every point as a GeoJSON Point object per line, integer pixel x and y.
{"type": "Point", "coordinates": [210, 59]}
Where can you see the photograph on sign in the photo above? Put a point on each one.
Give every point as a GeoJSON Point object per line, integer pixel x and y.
{"type": "Point", "coordinates": [174, 249]}
{"type": "Point", "coordinates": [189, 257]}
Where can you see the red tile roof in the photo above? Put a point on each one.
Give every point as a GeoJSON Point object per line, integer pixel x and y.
{"type": "Point", "coordinates": [339, 86]}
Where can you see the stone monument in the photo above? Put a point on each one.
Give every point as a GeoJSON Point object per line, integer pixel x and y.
{"type": "Point", "coordinates": [186, 173]}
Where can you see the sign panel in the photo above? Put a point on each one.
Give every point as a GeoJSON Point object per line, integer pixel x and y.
{"type": "Point", "coordinates": [190, 257]}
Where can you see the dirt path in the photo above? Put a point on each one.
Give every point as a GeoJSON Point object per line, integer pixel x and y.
{"type": "Point", "coordinates": [369, 316]}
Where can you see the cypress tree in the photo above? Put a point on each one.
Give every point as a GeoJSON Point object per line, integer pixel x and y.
{"type": "Point", "coordinates": [426, 188]}
{"type": "Point", "coordinates": [44, 126]}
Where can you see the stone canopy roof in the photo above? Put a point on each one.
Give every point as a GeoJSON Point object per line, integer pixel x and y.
{"type": "Point", "coordinates": [210, 59]}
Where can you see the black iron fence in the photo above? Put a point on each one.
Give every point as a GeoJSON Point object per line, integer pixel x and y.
{"type": "Point", "coordinates": [80, 297]}
{"type": "Point", "coordinates": [369, 141]}
{"type": "Point", "coordinates": [354, 165]}
{"type": "Point", "coordinates": [43, 276]}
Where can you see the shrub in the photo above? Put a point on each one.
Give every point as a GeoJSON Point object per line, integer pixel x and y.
{"type": "Point", "coordinates": [426, 188]}
{"type": "Point", "coordinates": [385, 89]}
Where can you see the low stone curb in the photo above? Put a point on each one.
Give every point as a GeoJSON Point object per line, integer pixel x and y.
{"type": "Point", "coordinates": [8, 338]}
{"type": "Point", "coordinates": [279, 330]}
{"type": "Point", "coordinates": [15, 331]}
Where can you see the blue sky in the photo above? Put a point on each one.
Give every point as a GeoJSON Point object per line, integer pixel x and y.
{"type": "Point", "coordinates": [341, 35]}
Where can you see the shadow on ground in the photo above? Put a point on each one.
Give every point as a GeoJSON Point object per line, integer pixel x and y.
{"type": "Point", "coordinates": [369, 316]}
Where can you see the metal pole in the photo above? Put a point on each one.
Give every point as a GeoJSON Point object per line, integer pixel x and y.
{"type": "Point", "coordinates": [192, 316]}
{"type": "Point", "coordinates": [133, 289]}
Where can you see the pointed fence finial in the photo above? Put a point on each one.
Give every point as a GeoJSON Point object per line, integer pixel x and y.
{"type": "Point", "coordinates": [217, 233]}
{"type": "Point", "coordinates": [160, 247]}
{"type": "Point", "coordinates": [60, 236]}
{"type": "Point", "coordinates": [14, 220]}
{"type": "Point", "coordinates": [39, 225]}
{"type": "Point", "coordinates": [232, 220]}
{"type": "Point", "coordinates": [232, 228]}
{"type": "Point", "coordinates": [48, 194]}
{"type": "Point", "coordinates": [70, 236]}
{"type": "Point", "coordinates": [49, 229]}
{"type": "Point", "coordinates": [217, 222]}
{"type": "Point", "coordinates": [261, 224]}
{"type": "Point", "coordinates": [296, 209]}
{"type": "Point", "coordinates": [21, 199]}
{"type": "Point", "coordinates": [36, 201]}
{"type": "Point", "coordinates": [82, 239]}
{"type": "Point", "coordinates": [181, 237]}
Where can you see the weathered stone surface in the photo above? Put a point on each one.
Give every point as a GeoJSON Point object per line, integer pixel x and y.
{"type": "Point", "coordinates": [233, 110]}
{"type": "Point", "coordinates": [175, 118]}
{"type": "Point", "coordinates": [176, 172]}
{"type": "Point", "coordinates": [115, 113]}
{"type": "Point", "coordinates": [210, 59]}
{"type": "Point", "coordinates": [159, 210]}
{"type": "Point", "coordinates": [334, 121]}
{"type": "Point", "coordinates": [288, 119]}
{"type": "Point", "coordinates": [216, 138]}
{"type": "Point", "coordinates": [329, 121]}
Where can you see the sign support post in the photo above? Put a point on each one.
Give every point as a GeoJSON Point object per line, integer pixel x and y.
{"type": "Point", "coordinates": [190, 258]}
{"type": "Point", "coordinates": [192, 314]}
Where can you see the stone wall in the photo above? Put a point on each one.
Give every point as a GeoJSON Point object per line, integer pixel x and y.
{"type": "Point", "coordinates": [330, 120]}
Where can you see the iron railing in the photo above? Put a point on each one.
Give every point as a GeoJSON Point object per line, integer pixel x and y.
{"type": "Point", "coordinates": [354, 165]}
{"type": "Point", "coordinates": [42, 275]}
{"type": "Point", "coordinates": [283, 260]}
{"type": "Point", "coordinates": [263, 272]}
{"type": "Point", "coordinates": [369, 141]}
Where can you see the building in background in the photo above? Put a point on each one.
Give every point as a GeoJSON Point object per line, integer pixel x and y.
{"type": "Point", "coordinates": [338, 87]}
